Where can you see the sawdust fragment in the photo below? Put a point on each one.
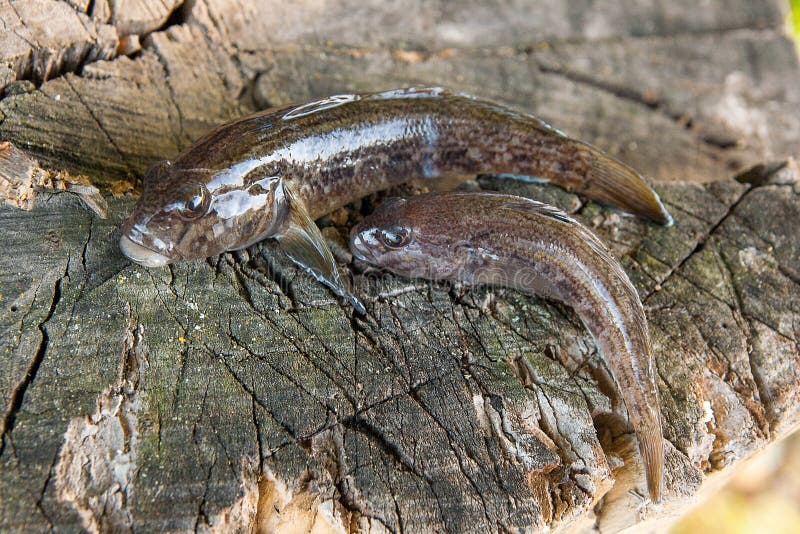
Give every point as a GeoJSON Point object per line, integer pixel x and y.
{"type": "Point", "coordinates": [21, 178]}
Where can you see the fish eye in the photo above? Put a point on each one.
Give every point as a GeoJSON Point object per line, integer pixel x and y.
{"type": "Point", "coordinates": [194, 201]}
{"type": "Point", "coordinates": [395, 237]}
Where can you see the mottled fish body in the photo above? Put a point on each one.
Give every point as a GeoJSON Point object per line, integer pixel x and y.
{"type": "Point", "coordinates": [502, 240]}
{"type": "Point", "coordinates": [269, 175]}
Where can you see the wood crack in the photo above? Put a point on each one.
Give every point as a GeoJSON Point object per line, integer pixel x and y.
{"type": "Point", "coordinates": [701, 241]}
{"type": "Point", "coordinates": [61, 55]}
{"type": "Point", "coordinates": [96, 120]}
{"type": "Point", "coordinates": [18, 397]}
{"type": "Point", "coordinates": [277, 366]}
{"type": "Point", "coordinates": [637, 97]}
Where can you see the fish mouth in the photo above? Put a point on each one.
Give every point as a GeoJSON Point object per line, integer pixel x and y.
{"type": "Point", "coordinates": [359, 249]}
{"type": "Point", "coordinates": [141, 255]}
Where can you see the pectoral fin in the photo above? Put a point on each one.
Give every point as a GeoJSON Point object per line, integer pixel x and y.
{"type": "Point", "coordinates": [302, 241]}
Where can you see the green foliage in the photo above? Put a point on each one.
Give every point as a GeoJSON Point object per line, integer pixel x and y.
{"type": "Point", "coordinates": [794, 20]}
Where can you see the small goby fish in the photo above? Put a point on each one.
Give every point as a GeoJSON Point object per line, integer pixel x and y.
{"type": "Point", "coordinates": [494, 239]}
{"type": "Point", "coordinates": [269, 175]}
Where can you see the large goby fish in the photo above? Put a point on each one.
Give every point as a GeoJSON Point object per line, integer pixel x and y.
{"type": "Point", "coordinates": [271, 174]}
{"type": "Point", "coordinates": [484, 238]}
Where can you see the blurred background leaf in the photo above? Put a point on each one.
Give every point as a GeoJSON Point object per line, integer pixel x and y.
{"type": "Point", "coordinates": [763, 497]}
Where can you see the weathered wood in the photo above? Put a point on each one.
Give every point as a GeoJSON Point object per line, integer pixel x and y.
{"type": "Point", "coordinates": [647, 90]}
{"type": "Point", "coordinates": [42, 38]}
{"type": "Point", "coordinates": [238, 394]}
{"type": "Point", "coordinates": [443, 409]}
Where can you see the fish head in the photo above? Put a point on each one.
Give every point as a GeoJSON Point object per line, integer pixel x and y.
{"type": "Point", "coordinates": [407, 237]}
{"type": "Point", "coordinates": [193, 213]}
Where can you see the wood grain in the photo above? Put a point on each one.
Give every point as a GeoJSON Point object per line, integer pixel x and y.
{"type": "Point", "coordinates": [238, 395]}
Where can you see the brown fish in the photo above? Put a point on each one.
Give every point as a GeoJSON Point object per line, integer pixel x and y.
{"type": "Point", "coordinates": [484, 238]}
{"type": "Point", "coordinates": [271, 174]}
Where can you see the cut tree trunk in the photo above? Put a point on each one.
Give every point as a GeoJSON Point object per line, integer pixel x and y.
{"type": "Point", "coordinates": [237, 394]}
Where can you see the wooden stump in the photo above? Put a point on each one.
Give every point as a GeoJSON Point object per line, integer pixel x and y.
{"type": "Point", "coordinates": [237, 394]}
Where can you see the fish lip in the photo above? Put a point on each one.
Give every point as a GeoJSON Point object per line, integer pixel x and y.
{"type": "Point", "coordinates": [141, 254]}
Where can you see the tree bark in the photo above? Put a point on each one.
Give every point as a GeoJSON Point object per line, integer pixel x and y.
{"type": "Point", "coordinates": [237, 394]}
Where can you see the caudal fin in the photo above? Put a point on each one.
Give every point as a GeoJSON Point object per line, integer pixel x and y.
{"type": "Point", "coordinates": [611, 181]}
{"type": "Point", "coordinates": [651, 446]}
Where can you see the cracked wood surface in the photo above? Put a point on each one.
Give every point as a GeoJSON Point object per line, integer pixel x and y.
{"type": "Point", "coordinates": [237, 394]}
{"type": "Point", "coordinates": [679, 91]}
{"type": "Point", "coordinates": [151, 399]}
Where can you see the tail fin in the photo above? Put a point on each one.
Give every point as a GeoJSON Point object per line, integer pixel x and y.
{"type": "Point", "coordinates": [611, 181]}
{"type": "Point", "coordinates": [651, 446]}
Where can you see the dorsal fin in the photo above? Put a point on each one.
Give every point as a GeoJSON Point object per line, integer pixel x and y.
{"type": "Point", "coordinates": [539, 208]}
{"type": "Point", "coordinates": [409, 92]}
{"type": "Point", "coordinates": [535, 207]}
{"type": "Point", "coordinates": [319, 105]}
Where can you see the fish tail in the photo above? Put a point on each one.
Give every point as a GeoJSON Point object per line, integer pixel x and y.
{"type": "Point", "coordinates": [609, 180]}
{"type": "Point", "coordinates": [651, 446]}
